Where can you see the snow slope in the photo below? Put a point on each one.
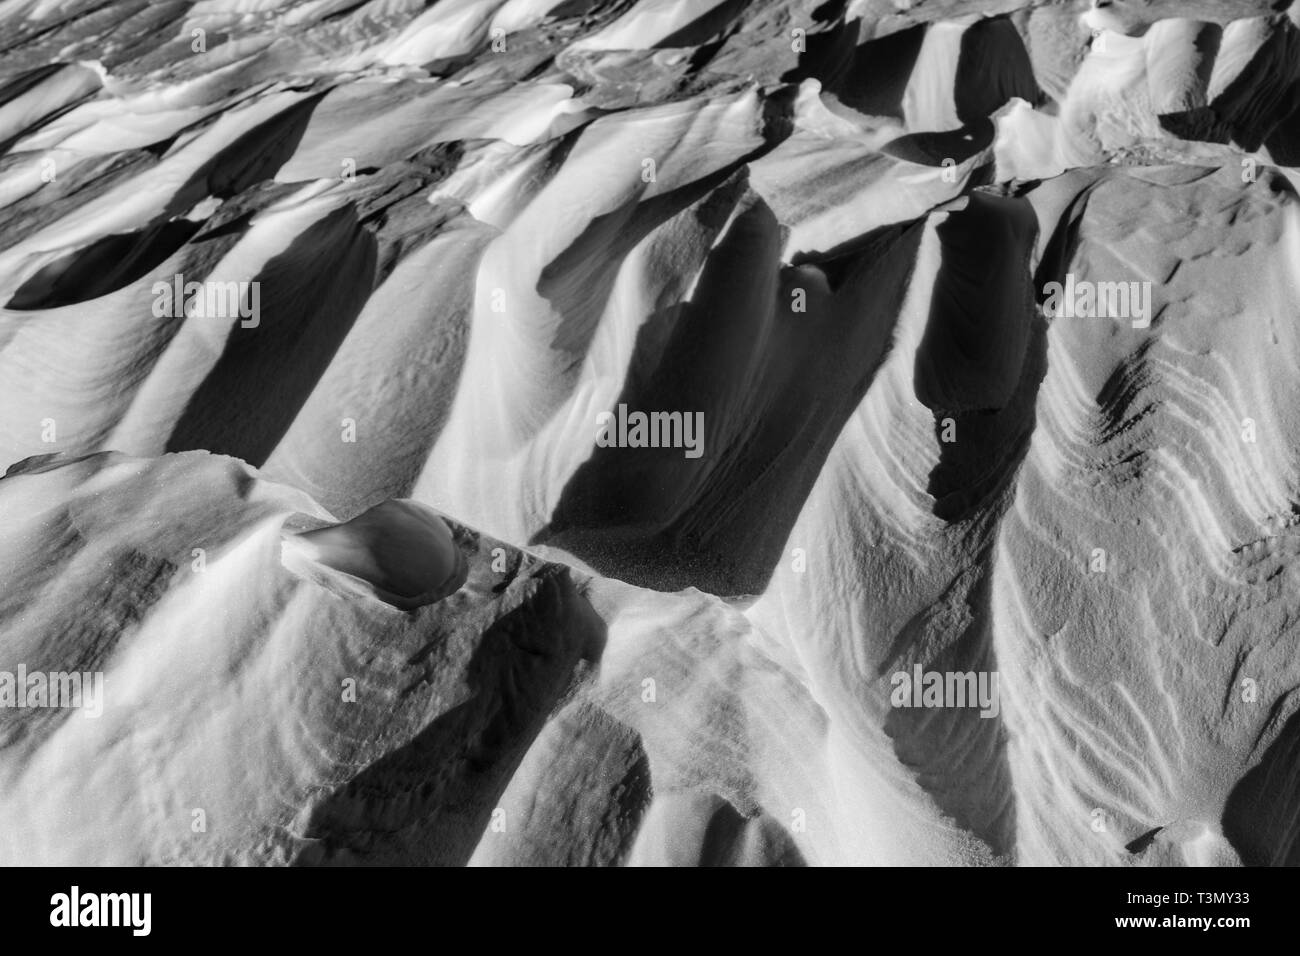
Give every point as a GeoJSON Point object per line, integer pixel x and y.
{"type": "Point", "coordinates": [364, 580]}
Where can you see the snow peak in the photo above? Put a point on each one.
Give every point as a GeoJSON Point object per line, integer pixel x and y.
{"type": "Point", "coordinates": [102, 909]}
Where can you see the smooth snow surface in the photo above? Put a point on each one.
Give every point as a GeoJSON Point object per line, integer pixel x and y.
{"type": "Point", "coordinates": [367, 583]}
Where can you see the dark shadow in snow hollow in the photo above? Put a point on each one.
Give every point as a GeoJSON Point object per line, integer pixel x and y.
{"type": "Point", "coordinates": [310, 295]}
{"type": "Point", "coordinates": [983, 353]}
{"type": "Point", "coordinates": [104, 266]}
{"type": "Point", "coordinates": [1262, 816]}
{"type": "Point", "coordinates": [428, 801]}
{"type": "Point", "coordinates": [113, 262]}
{"type": "Point", "coordinates": [775, 387]}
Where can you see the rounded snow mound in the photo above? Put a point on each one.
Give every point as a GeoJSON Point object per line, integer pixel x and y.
{"type": "Point", "coordinates": [399, 551]}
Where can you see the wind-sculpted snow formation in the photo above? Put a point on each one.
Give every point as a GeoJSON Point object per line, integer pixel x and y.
{"type": "Point", "coordinates": [339, 339]}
